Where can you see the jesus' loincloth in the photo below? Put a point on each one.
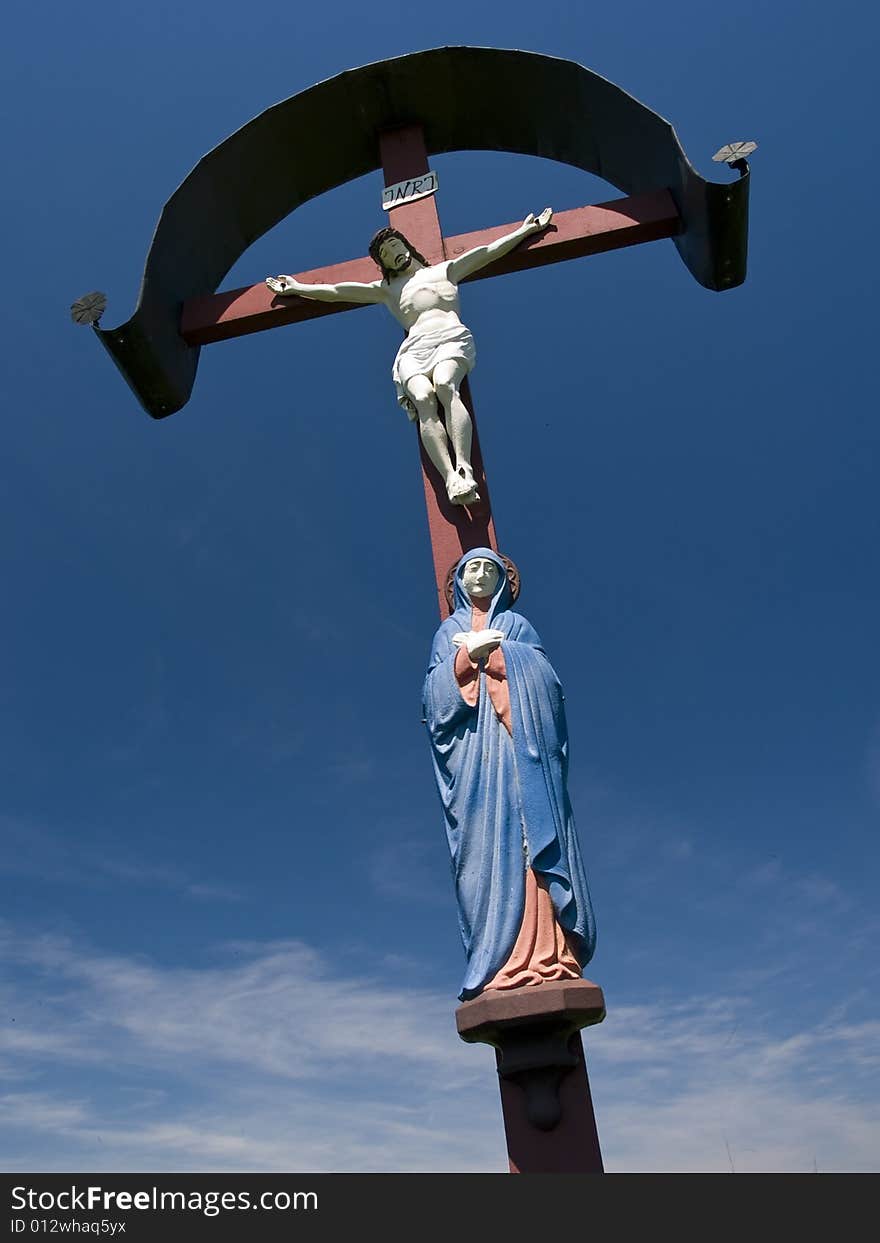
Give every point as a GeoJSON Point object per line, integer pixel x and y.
{"type": "Point", "coordinates": [423, 348]}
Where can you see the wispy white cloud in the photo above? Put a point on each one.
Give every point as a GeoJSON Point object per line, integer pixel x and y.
{"type": "Point", "coordinates": [406, 869]}
{"type": "Point", "coordinates": [351, 769]}
{"type": "Point", "coordinates": [273, 1057]}
{"type": "Point", "coordinates": [278, 1008]}
{"type": "Point", "coordinates": [763, 874]}
{"type": "Point", "coordinates": [706, 1075]}
{"type": "Point", "coordinates": [678, 848]}
{"type": "Point", "coordinates": [38, 1111]}
{"type": "Point", "coordinates": [261, 1131]}
{"type": "Point", "coordinates": [215, 893]}
{"type": "Point", "coordinates": [28, 849]}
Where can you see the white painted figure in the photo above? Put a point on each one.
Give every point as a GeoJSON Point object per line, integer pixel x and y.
{"type": "Point", "coordinates": [479, 578]}
{"type": "Point", "coordinates": [438, 350]}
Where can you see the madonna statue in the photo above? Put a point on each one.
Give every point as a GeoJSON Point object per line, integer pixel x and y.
{"type": "Point", "coordinates": [495, 716]}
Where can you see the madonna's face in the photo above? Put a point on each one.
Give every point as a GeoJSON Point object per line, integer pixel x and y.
{"type": "Point", "coordinates": [480, 577]}
{"type": "Point", "coordinates": [394, 255]}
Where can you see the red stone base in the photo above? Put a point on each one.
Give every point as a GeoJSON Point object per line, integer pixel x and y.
{"type": "Point", "coordinates": [578, 1002]}
{"type": "Point", "coordinates": [545, 1093]}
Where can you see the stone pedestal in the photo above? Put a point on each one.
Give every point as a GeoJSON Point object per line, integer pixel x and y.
{"type": "Point", "coordinates": [545, 1093]}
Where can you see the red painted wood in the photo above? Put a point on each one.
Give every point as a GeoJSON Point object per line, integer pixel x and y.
{"type": "Point", "coordinates": [574, 234]}
{"type": "Point", "coordinates": [221, 316]}
{"type": "Point", "coordinates": [404, 155]}
{"type": "Point", "coordinates": [579, 232]}
{"type": "Point", "coordinates": [571, 1147]}
{"type": "Point", "coordinates": [453, 528]}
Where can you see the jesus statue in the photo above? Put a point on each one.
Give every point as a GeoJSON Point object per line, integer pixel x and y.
{"type": "Point", "coordinates": [438, 350]}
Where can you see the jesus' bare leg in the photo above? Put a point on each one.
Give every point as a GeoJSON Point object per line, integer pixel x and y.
{"type": "Point", "coordinates": [458, 475]}
{"type": "Point", "coordinates": [447, 380]}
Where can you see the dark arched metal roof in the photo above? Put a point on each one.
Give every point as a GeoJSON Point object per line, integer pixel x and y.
{"type": "Point", "coordinates": [327, 135]}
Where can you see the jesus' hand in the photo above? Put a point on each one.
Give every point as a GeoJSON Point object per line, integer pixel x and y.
{"type": "Point", "coordinates": [536, 223]}
{"type": "Point", "coordinates": [283, 284]}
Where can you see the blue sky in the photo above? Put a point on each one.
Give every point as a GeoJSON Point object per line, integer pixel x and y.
{"type": "Point", "coordinates": [228, 933]}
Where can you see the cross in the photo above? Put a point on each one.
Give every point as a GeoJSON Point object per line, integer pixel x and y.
{"type": "Point", "coordinates": [527, 104]}
{"type": "Point", "coordinates": [583, 231]}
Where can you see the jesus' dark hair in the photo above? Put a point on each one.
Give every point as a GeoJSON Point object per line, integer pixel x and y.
{"type": "Point", "coordinates": [385, 235]}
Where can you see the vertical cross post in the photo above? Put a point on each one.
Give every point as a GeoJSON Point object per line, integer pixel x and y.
{"type": "Point", "coordinates": [535, 1030]}
{"type": "Point", "coordinates": [453, 528]}
{"type": "Point", "coordinates": [545, 1094]}
{"type": "Point", "coordinates": [569, 1147]}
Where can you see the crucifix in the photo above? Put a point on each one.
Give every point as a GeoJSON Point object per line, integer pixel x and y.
{"type": "Point", "coordinates": [455, 522]}
{"type": "Point", "coordinates": [511, 926]}
{"type": "Point", "coordinates": [492, 702]}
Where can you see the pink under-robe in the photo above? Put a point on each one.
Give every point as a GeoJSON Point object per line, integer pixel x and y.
{"type": "Point", "coordinates": [542, 950]}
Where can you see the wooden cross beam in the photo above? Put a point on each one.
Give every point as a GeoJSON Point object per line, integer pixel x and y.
{"type": "Point", "coordinates": [584, 231]}
{"type": "Point", "coordinates": [573, 235]}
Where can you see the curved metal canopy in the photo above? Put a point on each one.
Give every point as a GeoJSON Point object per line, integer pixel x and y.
{"type": "Point", "coordinates": [327, 135]}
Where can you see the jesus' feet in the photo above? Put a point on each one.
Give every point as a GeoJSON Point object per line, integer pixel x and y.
{"type": "Point", "coordinates": [461, 488]}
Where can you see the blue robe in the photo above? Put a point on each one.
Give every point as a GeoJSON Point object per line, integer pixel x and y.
{"type": "Point", "coordinates": [504, 797]}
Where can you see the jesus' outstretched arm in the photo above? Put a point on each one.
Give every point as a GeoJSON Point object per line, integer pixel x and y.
{"type": "Point", "coordinates": [345, 291]}
{"type": "Point", "coordinates": [473, 260]}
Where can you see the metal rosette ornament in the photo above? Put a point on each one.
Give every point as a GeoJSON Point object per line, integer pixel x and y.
{"type": "Point", "coordinates": [735, 155]}
{"type": "Point", "coordinates": [89, 308]}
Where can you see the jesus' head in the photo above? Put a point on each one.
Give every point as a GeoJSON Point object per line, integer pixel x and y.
{"type": "Point", "coordinates": [394, 253]}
